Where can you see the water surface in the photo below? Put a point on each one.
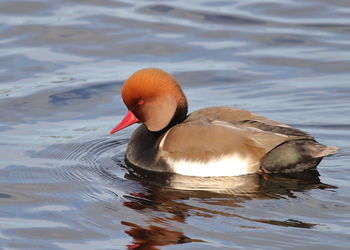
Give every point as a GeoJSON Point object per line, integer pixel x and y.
{"type": "Point", "coordinates": [63, 180]}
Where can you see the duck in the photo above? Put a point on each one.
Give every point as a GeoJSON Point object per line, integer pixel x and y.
{"type": "Point", "coordinates": [209, 142]}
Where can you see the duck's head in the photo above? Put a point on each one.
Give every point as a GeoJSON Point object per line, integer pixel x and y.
{"type": "Point", "coordinates": [154, 98]}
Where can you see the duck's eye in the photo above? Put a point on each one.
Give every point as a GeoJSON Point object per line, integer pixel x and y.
{"type": "Point", "coordinates": [140, 102]}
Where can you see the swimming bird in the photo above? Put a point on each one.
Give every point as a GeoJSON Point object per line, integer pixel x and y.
{"type": "Point", "coordinates": [213, 141]}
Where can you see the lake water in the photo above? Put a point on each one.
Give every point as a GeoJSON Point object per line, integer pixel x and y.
{"type": "Point", "coordinates": [63, 180]}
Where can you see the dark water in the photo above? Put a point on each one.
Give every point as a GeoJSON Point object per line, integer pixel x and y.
{"type": "Point", "coordinates": [63, 180]}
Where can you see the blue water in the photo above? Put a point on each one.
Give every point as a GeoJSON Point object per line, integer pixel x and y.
{"type": "Point", "coordinates": [63, 180]}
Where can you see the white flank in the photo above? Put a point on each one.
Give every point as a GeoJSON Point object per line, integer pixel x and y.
{"type": "Point", "coordinates": [225, 166]}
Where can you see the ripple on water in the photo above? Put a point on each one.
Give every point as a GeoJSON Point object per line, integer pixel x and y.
{"type": "Point", "coordinates": [81, 161]}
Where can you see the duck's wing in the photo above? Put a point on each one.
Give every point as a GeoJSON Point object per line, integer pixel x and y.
{"type": "Point", "coordinates": [205, 142]}
{"type": "Point", "coordinates": [247, 119]}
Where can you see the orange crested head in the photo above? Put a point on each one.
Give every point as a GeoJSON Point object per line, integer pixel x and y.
{"type": "Point", "coordinates": [154, 98]}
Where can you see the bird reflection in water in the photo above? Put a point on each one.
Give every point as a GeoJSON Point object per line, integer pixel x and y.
{"type": "Point", "coordinates": [153, 236]}
{"type": "Point", "coordinates": [166, 195]}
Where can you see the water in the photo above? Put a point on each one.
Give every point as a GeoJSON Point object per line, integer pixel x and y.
{"type": "Point", "coordinates": [63, 180]}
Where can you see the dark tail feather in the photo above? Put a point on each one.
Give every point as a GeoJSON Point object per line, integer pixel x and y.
{"type": "Point", "coordinates": [295, 156]}
{"type": "Point", "coordinates": [323, 150]}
